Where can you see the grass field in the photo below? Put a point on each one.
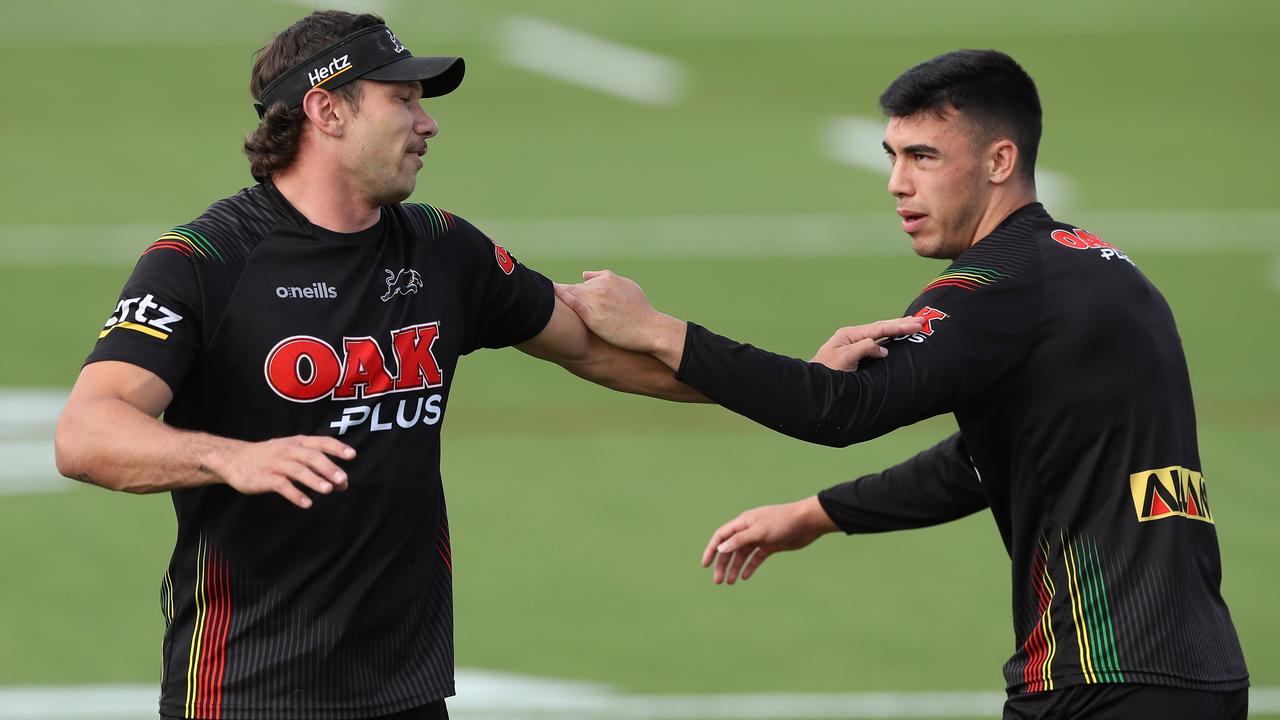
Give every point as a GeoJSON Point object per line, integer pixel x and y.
{"type": "Point", "coordinates": [578, 515]}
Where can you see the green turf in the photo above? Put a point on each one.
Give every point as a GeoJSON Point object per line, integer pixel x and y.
{"type": "Point", "coordinates": [578, 515]}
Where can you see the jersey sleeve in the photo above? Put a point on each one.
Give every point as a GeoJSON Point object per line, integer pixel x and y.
{"type": "Point", "coordinates": [936, 486]}
{"type": "Point", "coordinates": [157, 323]}
{"type": "Point", "coordinates": [973, 335]}
{"type": "Point", "coordinates": [507, 302]}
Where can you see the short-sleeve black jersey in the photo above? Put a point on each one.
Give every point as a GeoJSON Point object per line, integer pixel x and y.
{"type": "Point", "coordinates": [265, 326]}
{"type": "Point", "coordinates": [1066, 375]}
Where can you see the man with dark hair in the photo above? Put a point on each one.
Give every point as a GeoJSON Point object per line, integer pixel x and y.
{"type": "Point", "coordinates": [1065, 373]}
{"type": "Point", "coordinates": [300, 338]}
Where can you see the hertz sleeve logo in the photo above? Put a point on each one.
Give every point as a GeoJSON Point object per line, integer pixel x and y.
{"type": "Point", "coordinates": [1170, 492]}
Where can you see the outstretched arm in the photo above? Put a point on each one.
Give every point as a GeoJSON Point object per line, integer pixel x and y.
{"type": "Point", "coordinates": [951, 357]}
{"type": "Point", "coordinates": [568, 342]}
{"type": "Point", "coordinates": [108, 435]}
{"type": "Point", "coordinates": [936, 486]}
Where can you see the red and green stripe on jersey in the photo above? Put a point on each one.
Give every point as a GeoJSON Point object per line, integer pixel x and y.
{"type": "Point", "coordinates": [440, 221]}
{"type": "Point", "coordinates": [1079, 568]}
{"type": "Point", "coordinates": [1041, 644]}
{"type": "Point", "coordinates": [207, 659]}
{"type": "Point", "coordinates": [187, 241]}
{"type": "Point", "coordinates": [966, 278]}
{"type": "Point", "coordinates": [1091, 612]}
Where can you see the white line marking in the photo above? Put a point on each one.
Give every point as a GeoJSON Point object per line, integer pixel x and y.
{"type": "Point", "coordinates": [1182, 232]}
{"type": "Point", "coordinates": [575, 57]}
{"type": "Point", "coordinates": [484, 694]}
{"type": "Point", "coordinates": [27, 419]}
{"type": "Point", "coordinates": [857, 141]}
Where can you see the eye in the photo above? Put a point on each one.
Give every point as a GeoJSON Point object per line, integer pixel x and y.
{"type": "Point", "coordinates": [920, 157]}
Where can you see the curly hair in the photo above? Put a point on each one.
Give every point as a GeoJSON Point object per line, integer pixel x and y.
{"type": "Point", "coordinates": [273, 145]}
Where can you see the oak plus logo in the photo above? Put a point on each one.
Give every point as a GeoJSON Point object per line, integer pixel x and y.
{"type": "Point", "coordinates": [325, 73]}
{"type": "Point", "coordinates": [306, 369]}
{"type": "Point", "coordinates": [1078, 239]}
{"type": "Point", "coordinates": [1168, 492]}
{"type": "Point", "coordinates": [405, 282]}
{"type": "Point", "coordinates": [142, 314]}
{"type": "Point", "coordinates": [928, 316]}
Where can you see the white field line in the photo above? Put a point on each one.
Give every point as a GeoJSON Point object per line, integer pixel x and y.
{"type": "Point", "coordinates": [575, 57]}
{"type": "Point", "coordinates": [857, 141]}
{"type": "Point", "coordinates": [27, 419]}
{"type": "Point", "coordinates": [483, 695]}
{"type": "Point", "coordinates": [677, 237]}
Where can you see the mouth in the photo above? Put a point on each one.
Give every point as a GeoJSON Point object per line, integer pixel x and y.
{"type": "Point", "coordinates": [912, 221]}
{"type": "Point", "coordinates": [416, 153]}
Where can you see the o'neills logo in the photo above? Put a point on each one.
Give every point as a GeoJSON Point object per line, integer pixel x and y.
{"type": "Point", "coordinates": [314, 291]}
{"type": "Point", "coordinates": [1170, 492]}
{"type": "Point", "coordinates": [325, 73]}
{"type": "Point", "coordinates": [305, 369]}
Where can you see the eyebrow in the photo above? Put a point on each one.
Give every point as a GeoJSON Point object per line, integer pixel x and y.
{"type": "Point", "coordinates": [917, 149]}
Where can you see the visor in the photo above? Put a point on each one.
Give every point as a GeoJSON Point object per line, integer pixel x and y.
{"type": "Point", "coordinates": [374, 54]}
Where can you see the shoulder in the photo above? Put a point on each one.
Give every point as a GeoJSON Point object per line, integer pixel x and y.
{"type": "Point", "coordinates": [430, 221]}
{"type": "Point", "coordinates": [225, 233]}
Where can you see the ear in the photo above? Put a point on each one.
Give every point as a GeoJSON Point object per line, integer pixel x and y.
{"type": "Point", "coordinates": [1002, 157]}
{"type": "Point", "coordinates": [323, 112]}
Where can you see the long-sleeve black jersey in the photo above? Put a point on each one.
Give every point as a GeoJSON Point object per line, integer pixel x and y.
{"type": "Point", "coordinates": [265, 326]}
{"type": "Point", "coordinates": [1066, 375]}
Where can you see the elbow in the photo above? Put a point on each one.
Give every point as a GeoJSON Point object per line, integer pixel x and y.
{"type": "Point", "coordinates": [68, 450]}
{"type": "Point", "coordinates": [73, 451]}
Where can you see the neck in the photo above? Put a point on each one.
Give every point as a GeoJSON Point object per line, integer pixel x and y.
{"type": "Point", "coordinates": [324, 197]}
{"type": "Point", "coordinates": [1003, 204]}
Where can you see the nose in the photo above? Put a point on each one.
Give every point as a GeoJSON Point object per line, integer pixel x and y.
{"type": "Point", "coordinates": [424, 124]}
{"type": "Point", "coordinates": [899, 179]}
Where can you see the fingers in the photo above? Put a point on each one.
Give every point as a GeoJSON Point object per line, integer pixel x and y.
{"type": "Point", "coordinates": [565, 293]}
{"type": "Point", "coordinates": [724, 532]}
{"type": "Point", "coordinates": [293, 494]}
{"type": "Point", "coordinates": [591, 274]}
{"type": "Point", "coordinates": [735, 565]}
{"type": "Point", "coordinates": [848, 357]}
{"type": "Point", "coordinates": [314, 452]}
{"type": "Point", "coordinates": [757, 559]}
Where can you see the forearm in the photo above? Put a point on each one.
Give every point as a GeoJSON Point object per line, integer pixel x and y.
{"type": "Point", "coordinates": [804, 400]}
{"type": "Point", "coordinates": [631, 372]}
{"type": "Point", "coordinates": [936, 486]}
{"type": "Point", "coordinates": [108, 442]}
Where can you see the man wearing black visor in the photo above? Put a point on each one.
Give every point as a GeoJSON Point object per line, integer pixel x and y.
{"type": "Point", "coordinates": [300, 338]}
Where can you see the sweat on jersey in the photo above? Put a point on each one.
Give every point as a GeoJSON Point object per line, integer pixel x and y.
{"type": "Point", "coordinates": [265, 326]}
{"type": "Point", "coordinates": [1066, 375]}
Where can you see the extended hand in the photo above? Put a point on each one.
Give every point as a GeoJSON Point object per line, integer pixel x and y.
{"type": "Point", "coordinates": [849, 345]}
{"type": "Point", "coordinates": [615, 309]}
{"type": "Point", "coordinates": [283, 466]}
{"type": "Point", "coordinates": [758, 533]}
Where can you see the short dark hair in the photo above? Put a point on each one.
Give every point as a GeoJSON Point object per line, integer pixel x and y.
{"type": "Point", "coordinates": [986, 87]}
{"type": "Point", "coordinates": [273, 146]}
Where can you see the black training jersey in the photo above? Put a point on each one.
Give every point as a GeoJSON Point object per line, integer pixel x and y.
{"type": "Point", "coordinates": [1066, 375]}
{"type": "Point", "coordinates": [265, 326]}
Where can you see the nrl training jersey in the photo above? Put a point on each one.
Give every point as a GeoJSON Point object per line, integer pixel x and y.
{"type": "Point", "coordinates": [265, 326]}
{"type": "Point", "coordinates": [1066, 375]}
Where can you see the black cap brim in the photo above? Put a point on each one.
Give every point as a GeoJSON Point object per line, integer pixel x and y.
{"type": "Point", "coordinates": [438, 75]}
